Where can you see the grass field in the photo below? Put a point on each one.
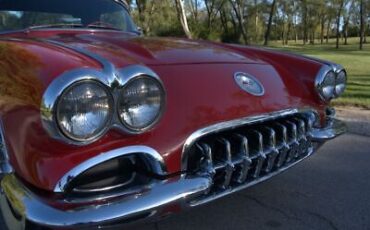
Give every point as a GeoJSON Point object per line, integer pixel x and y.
{"type": "Point", "coordinates": [355, 61]}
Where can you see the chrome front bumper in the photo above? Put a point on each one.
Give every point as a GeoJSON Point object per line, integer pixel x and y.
{"type": "Point", "coordinates": [23, 209]}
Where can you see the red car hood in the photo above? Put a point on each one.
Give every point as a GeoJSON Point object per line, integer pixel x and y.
{"type": "Point", "coordinates": [198, 77]}
{"type": "Point", "coordinates": [123, 49]}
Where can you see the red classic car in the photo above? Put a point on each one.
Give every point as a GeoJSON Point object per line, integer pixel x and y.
{"type": "Point", "coordinates": [101, 126]}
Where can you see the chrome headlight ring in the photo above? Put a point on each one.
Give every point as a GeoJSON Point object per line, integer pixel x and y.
{"type": "Point", "coordinates": [340, 82]}
{"type": "Point", "coordinates": [331, 82]}
{"type": "Point", "coordinates": [133, 74]}
{"type": "Point", "coordinates": [114, 87]}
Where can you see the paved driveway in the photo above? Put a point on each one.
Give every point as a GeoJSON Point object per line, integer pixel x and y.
{"type": "Point", "coordinates": [331, 190]}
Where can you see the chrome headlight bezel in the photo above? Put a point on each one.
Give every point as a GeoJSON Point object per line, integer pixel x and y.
{"type": "Point", "coordinates": [323, 84]}
{"type": "Point", "coordinates": [339, 82]}
{"type": "Point", "coordinates": [137, 130]}
{"type": "Point", "coordinates": [113, 82]}
{"type": "Point", "coordinates": [103, 129]}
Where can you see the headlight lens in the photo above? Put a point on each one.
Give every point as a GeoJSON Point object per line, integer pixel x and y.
{"type": "Point", "coordinates": [84, 111]}
{"type": "Point", "coordinates": [326, 86]}
{"type": "Point", "coordinates": [141, 103]}
{"type": "Point", "coordinates": [340, 83]}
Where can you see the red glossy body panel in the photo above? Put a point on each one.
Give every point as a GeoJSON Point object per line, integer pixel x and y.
{"type": "Point", "coordinates": [198, 78]}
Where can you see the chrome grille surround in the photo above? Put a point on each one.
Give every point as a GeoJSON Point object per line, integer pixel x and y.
{"type": "Point", "coordinates": [238, 154]}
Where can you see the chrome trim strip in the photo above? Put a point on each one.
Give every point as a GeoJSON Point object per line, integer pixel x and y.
{"type": "Point", "coordinates": [114, 79]}
{"type": "Point", "coordinates": [234, 123]}
{"type": "Point", "coordinates": [5, 166]}
{"type": "Point", "coordinates": [155, 159]}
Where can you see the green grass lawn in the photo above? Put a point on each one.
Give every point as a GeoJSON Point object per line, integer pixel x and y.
{"type": "Point", "coordinates": [356, 62]}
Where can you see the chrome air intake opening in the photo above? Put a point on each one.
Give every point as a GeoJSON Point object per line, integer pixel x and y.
{"type": "Point", "coordinates": [117, 174]}
{"type": "Point", "coordinates": [249, 151]}
{"type": "Point", "coordinates": [124, 171]}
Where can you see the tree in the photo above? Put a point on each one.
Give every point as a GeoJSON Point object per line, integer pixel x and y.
{"type": "Point", "coordinates": [194, 8]}
{"type": "Point", "coordinates": [212, 7]}
{"type": "Point", "coordinates": [182, 17]}
{"type": "Point", "coordinates": [362, 23]}
{"type": "Point", "coordinates": [347, 16]}
{"type": "Point", "coordinates": [268, 30]}
{"type": "Point", "coordinates": [245, 21]}
{"type": "Point", "coordinates": [339, 13]}
{"type": "Point", "coordinates": [238, 7]}
{"type": "Point", "coordinates": [146, 9]}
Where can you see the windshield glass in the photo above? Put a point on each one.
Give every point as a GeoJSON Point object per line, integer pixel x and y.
{"type": "Point", "coordinates": [39, 14]}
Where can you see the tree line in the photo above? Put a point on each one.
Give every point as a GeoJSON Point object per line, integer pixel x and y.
{"type": "Point", "coordinates": [256, 21]}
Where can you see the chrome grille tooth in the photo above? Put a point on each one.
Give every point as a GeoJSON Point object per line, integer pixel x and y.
{"type": "Point", "coordinates": [303, 142]}
{"type": "Point", "coordinates": [271, 137]}
{"type": "Point", "coordinates": [244, 154]}
{"type": "Point", "coordinates": [260, 153]}
{"type": "Point", "coordinates": [273, 152]}
{"type": "Point", "coordinates": [284, 134]}
{"type": "Point", "coordinates": [310, 119]}
{"type": "Point", "coordinates": [283, 150]}
{"type": "Point", "coordinates": [293, 144]}
{"type": "Point", "coordinates": [294, 132]}
{"type": "Point", "coordinates": [206, 162]}
{"type": "Point", "coordinates": [229, 166]}
{"type": "Point", "coordinates": [301, 128]}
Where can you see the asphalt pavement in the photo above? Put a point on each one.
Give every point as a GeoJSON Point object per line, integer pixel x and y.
{"type": "Point", "coordinates": [330, 190]}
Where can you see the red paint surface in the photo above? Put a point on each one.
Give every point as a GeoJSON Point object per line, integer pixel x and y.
{"type": "Point", "coordinates": [198, 77]}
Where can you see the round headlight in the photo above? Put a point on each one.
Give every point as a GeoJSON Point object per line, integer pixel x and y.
{"type": "Point", "coordinates": [141, 103]}
{"type": "Point", "coordinates": [84, 111]}
{"type": "Point", "coordinates": [326, 85]}
{"type": "Point", "coordinates": [340, 83]}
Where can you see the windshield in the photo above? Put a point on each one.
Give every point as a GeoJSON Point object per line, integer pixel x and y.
{"type": "Point", "coordinates": [40, 14]}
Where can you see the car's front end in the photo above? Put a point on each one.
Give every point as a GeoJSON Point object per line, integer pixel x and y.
{"type": "Point", "coordinates": [102, 128]}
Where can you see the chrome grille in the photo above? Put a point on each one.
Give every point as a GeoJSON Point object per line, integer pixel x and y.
{"type": "Point", "coordinates": [241, 155]}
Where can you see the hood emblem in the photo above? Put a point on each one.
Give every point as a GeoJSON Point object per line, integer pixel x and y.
{"type": "Point", "coordinates": [249, 84]}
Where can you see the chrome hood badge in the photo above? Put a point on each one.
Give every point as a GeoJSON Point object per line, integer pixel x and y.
{"type": "Point", "coordinates": [249, 84]}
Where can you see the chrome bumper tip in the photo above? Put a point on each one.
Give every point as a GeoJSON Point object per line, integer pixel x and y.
{"type": "Point", "coordinates": [333, 129]}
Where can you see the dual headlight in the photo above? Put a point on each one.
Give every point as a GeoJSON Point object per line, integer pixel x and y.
{"type": "Point", "coordinates": [88, 108]}
{"type": "Point", "coordinates": [331, 82]}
